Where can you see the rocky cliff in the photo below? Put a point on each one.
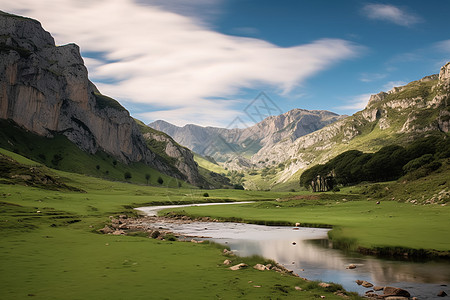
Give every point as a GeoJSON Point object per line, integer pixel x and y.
{"type": "Point", "coordinates": [224, 144]}
{"type": "Point", "coordinates": [45, 89]}
{"type": "Point", "coordinates": [399, 116]}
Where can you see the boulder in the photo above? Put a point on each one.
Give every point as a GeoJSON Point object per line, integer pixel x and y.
{"type": "Point", "coordinates": [393, 291]}
{"type": "Point", "coordinates": [351, 266]}
{"type": "Point", "coordinates": [324, 285]}
{"type": "Point", "coordinates": [118, 232]}
{"type": "Point", "coordinates": [366, 284]}
{"type": "Point", "coordinates": [227, 262]}
{"type": "Point", "coordinates": [260, 267]}
{"type": "Point", "coordinates": [442, 294]}
{"type": "Point", "coordinates": [377, 288]}
{"type": "Point", "coordinates": [359, 282]}
{"type": "Point", "coordinates": [238, 267]}
{"type": "Point", "coordinates": [106, 230]}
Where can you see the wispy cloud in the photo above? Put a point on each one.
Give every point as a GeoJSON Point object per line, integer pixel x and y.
{"type": "Point", "coordinates": [391, 13]}
{"type": "Point", "coordinates": [370, 77]}
{"type": "Point", "coordinates": [356, 103]}
{"type": "Point", "coordinates": [148, 54]}
{"type": "Point", "coordinates": [391, 84]}
{"type": "Point", "coordinates": [443, 46]}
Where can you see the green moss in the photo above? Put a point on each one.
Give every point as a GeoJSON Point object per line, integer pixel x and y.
{"type": "Point", "coordinates": [102, 102]}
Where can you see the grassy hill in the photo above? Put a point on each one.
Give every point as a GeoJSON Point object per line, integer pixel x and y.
{"type": "Point", "coordinates": [59, 153]}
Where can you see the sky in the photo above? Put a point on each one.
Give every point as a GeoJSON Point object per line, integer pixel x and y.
{"type": "Point", "coordinates": [211, 62]}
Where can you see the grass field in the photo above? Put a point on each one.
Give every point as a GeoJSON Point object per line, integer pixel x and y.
{"type": "Point", "coordinates": [50, 249]}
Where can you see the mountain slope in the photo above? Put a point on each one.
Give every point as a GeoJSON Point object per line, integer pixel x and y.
{"type": "Point", "coordinates": [420, 108]}
{"type": "Point", "coordinates": [45, 89]}
{"type": "Point", "coordinates": [223, 144]}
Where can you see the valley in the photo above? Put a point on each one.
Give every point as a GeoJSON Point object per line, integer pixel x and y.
{"type": "Point", "coordinates": [74, 165]}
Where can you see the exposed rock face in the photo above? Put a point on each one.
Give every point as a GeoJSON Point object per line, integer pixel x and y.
{"type": "Point", "coordinates": [45, 89]}
{"type": "Point", "coordinates": [183, 158]}
{"type": "Point", "coordinates": [377, 98]}
{"type": "Point", "coordinates": [444, 74]}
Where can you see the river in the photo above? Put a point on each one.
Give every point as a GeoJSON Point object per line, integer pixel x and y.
{"type": "Point", "coordinates": [309, 253]}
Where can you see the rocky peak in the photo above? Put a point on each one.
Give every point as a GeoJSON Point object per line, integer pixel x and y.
{"type": "Point", "coordinates": [444, 74]}
{"type": "Point", "coordinates": [377, 98]}
{"type": "Point", "coordinates": [46, 90]}
{"type": "Point", "coordinates": [23, 32]}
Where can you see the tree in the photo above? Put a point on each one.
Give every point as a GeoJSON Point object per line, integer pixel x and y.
{"type": "Point", "coordinates": [127, 175]}
{"type": "Point", "coordinates": [160, 180]}
{"type": "Point", "coordinates": [147, 177]}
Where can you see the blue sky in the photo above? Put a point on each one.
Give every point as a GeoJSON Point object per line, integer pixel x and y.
{"type": "Point", "coordinates": [205, 61]}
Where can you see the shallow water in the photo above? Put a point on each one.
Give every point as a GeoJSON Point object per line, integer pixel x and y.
{"type": "Point", "coordinates": [308, 253]}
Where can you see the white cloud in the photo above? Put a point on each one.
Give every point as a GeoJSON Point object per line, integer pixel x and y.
{"type": "Point", "coordinates": [443, 46]}
{"type": "Point", "coordinates": [391, 84]}
{"type": "Point", "coordinates": [391, 13]}
{"type": "Point", "coordinates": [158, 57]}
{"type": "Point", "coordinates": [369, 77]}
{"type": "Point", "coordinates": [356, 103]}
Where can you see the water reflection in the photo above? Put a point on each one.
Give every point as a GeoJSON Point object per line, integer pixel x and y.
{"type": "Point", "coordinates": [308, 253]}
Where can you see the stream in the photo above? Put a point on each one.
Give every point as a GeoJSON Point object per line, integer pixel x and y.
{"type": "Point", "coordinates": [309, 253]}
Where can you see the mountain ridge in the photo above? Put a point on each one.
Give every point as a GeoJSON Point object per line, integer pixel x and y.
{"type": "Point", "coordinates": [223, 143]}
{"type": "Point", "coordinates": [45, 89]}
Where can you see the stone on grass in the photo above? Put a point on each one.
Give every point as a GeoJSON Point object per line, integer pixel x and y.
{"type": "Point", "coordinates": [238, 267]}
{"type": "Point", "coordinates": [260, 267]}
{"type": "Point", "coordinates": [227, 262]}
{"type": "Point", "coordinates": [324, 285]}
{"type": "Point", "coordinates": [106, 230]}
{"type": "Point", "coordinates": [298, 288]}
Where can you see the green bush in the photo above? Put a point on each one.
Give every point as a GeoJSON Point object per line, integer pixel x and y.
{"type": "Point", "coordinates": [205, 195]}
{"type": "Point", "coordinates": [127, 175]}
{"type": "Point", "coordinates": [418, 162]}
{"type": "Point", "coordinates": [160, 180]}
{"type": "Point", "coordinates": [155, 234]}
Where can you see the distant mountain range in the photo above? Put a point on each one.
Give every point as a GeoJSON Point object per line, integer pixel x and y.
{"type": "Point", "coordinates": [224, 144]}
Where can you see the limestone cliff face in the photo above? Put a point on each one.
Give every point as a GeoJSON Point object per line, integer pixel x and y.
{"type": "Point", "coordinates": [45, 89]}
{"type": "Point", "coordinates": [180, 157]}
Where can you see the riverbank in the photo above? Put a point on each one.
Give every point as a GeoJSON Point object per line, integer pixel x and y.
{"type": "Point", "coordinates": [386, 229]}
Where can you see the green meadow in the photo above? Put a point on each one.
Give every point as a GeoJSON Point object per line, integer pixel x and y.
{"type": "Point", "coordinates": [50, 247]}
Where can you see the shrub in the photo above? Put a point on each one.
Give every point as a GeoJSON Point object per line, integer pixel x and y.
{"type": "Point", "coordinates": [205, 195]}
{"type": "Point", "coordinates": [170, 237]}
{"type": "Point", "coordinates": [155, 234]}
{"type": "Point", "coordinates": [417, 163]}
{"type": "Point", "coordinates": [127, 175]}
{"type": "Point", "coordinates": [160, 180]}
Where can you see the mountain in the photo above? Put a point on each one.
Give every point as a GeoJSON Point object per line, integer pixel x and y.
{"type": "Point", "coordinates": [45, 90]}
{"type": "Point", "coordinates": [224, 144]}
{"type": "Point", "coordinates": [400, 116]}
